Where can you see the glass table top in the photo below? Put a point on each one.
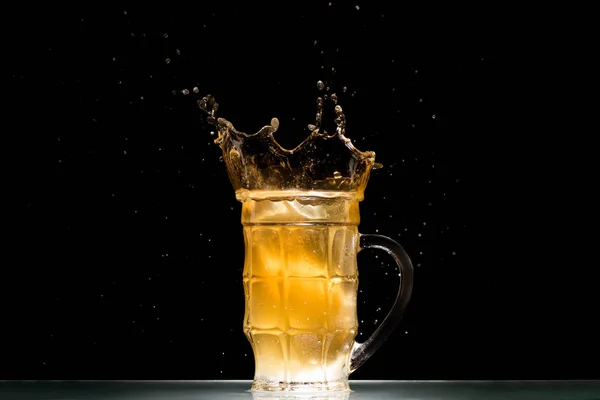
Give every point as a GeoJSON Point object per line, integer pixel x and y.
{"type": "Point", "coordinates": [360, 390]}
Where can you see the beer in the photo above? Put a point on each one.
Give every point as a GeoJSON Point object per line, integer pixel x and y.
{"type": "Point", "coordinates": [300, 217]}
{"type": "Point", "coordinates": [300, 282]}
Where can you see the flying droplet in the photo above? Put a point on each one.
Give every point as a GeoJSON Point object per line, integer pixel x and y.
{"type": "Point", "coordinates": [320, 85]}
{"type": "Point", "coordinates": [345, 89]}
{"type": "Point", "coordinates": [334, 98]}
{"type": "Point", "coordinates": [185, 92]}
{"type": "Point", "coordinates": [195, 89]}
{"type": "Point", "coordinates": [167, 60]}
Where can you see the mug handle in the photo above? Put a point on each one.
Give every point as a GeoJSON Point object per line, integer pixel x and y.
{"type": "Point", "coordinates": [362, 351]}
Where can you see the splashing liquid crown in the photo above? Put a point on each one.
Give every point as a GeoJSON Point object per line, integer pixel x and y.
{"type": "Point", "coordinates": [323, 165]}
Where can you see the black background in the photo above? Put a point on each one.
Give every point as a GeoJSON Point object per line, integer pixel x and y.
{"type": "Point", "coordinates": [127, 254]}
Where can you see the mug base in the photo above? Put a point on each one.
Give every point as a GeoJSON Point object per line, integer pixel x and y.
{"type": "Point", "coordinates": [260, 385]}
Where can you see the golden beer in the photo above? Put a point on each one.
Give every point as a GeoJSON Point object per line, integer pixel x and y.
{"type": "Point", "coordinates": [300, 281]}
{"type": "Point", "coordinates": [300, 216]}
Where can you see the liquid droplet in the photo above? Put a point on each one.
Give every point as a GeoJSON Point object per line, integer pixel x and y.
{"type": "Point", "coordinates": [185, 92]}
{"type": "Point", "coordinates": [337, 175]}
{"type": "Point", "coordinates": [340, 120]}
{"type": "Point", "coordinates": [320, 85]}
{"type": "Point", "coordinates": [319, 112]}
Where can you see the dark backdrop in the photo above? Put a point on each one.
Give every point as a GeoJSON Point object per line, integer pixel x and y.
{"type": "Point", "coordinates": [126, 259]}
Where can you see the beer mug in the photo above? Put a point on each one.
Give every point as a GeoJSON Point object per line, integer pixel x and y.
{"type": "Point", "coordinates": [301, 283]}
{"type": "Point", "coordinates": [300, 217]}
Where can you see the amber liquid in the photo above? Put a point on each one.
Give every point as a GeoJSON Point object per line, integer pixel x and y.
{"type": "Point", "coordinates": [300, 281]}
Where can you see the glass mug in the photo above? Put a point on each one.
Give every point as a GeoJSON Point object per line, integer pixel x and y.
{"type": "Point", "coordinates": [300, 216]}
{"type": "Point", "coordinates": [301, 283]}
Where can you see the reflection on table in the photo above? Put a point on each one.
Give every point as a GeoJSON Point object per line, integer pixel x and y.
{"type": "Point", "coordinates": [361, 390]}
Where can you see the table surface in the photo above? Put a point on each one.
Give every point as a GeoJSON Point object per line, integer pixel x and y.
{"type": "Point", "coordinates": [361, 390]}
